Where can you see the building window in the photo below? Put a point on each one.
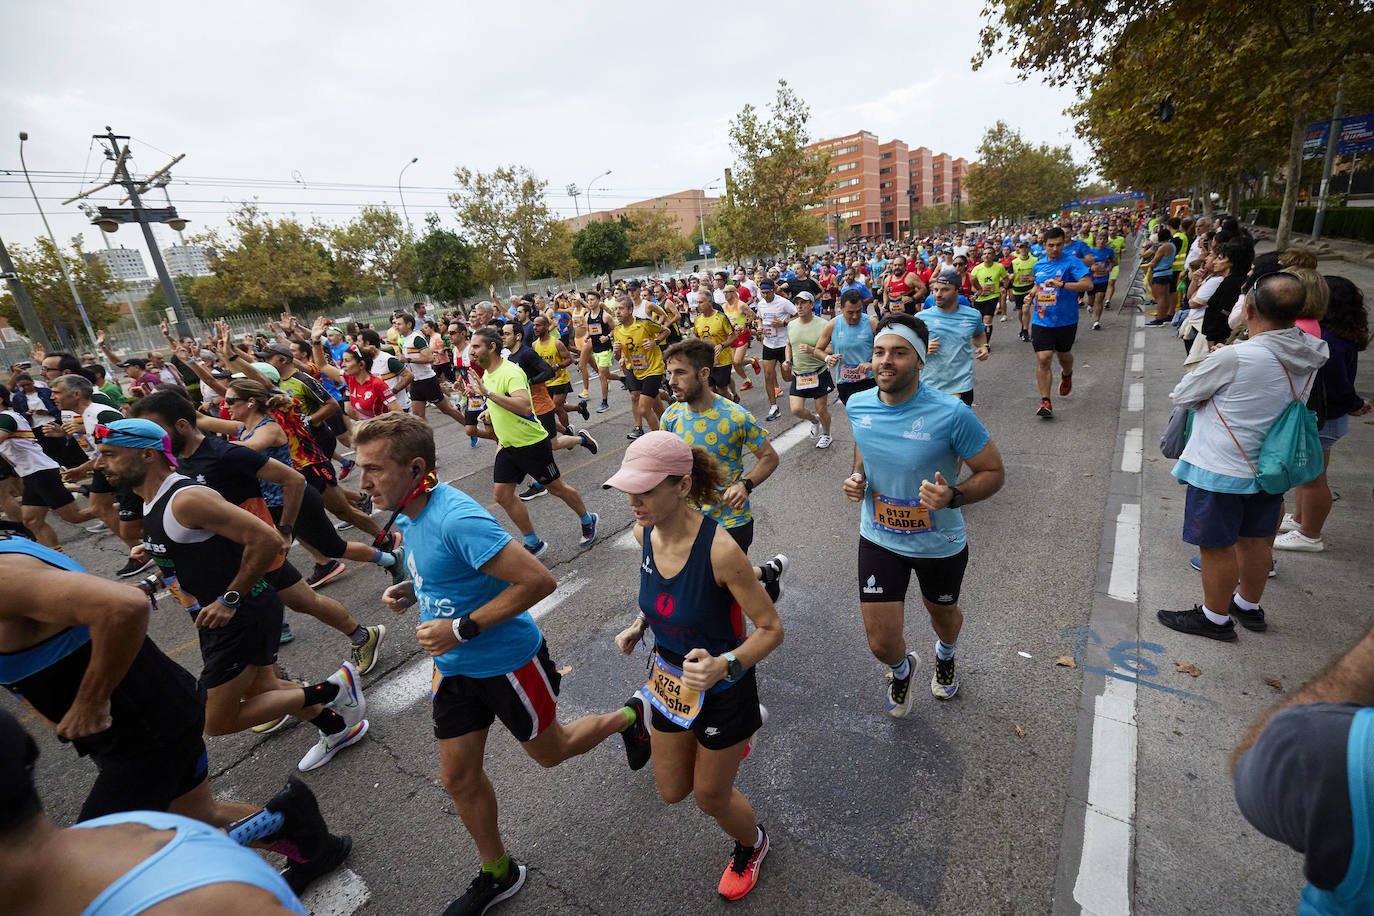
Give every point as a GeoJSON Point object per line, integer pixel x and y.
{"type": "Point", "coordinates": [844, 167]}
{"type": "Point", "coordinates": [885, 200]}
{"type": "Point", "coordinates": [886, 171]}
{"type": "Point", "coordinates": [849, 214]}
{"type": "Point", "coordinates": [846, 150]}
{"type": "Point", "coordinates": [886, 155]}
{"type": "Point", "coordinates": [886, 184]}
{"type": "Point", "coordinates": [847, 183]}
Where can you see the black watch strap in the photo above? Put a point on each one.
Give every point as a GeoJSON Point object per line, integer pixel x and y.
{"type": "Point", "coordinates": [748, 484]}
{"type": "Point", "coordinates": [957, 499]}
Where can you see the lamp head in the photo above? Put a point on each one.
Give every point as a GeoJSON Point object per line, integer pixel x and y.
{"type": "Point", "coordinates": [23, 135]}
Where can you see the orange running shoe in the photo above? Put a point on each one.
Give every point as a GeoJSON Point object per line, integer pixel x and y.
{"type": "Point", "coordinates": [743, 871]}
{"type": "Point", "coordinates": [1065, 384]}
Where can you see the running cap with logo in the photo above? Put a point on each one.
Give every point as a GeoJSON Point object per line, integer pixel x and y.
{"type": "Point", "coordinates": [136, 433]}
{"type": "Point", "coordinates": [805, 295]}
{"type": "Point", "coordinates": [651, 459]}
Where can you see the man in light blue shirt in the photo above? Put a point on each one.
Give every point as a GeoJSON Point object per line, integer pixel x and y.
{"type": "Point", "coordinates": [957, 338]}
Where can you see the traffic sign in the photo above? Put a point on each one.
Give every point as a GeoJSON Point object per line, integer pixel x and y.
{"type": "Point", "coordinates": [703, 249]}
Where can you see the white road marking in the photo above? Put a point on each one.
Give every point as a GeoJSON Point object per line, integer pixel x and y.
{"type": "Point", "coordinates": [790, 438]}
{"type": "Point", "coordinates": [336, 894]}
{"type": "Point", "coordinates": [1140, 321]}
{"type": "Point", "coordinates": [1132, 450]}
{"type": "Point", "coordinates": [1138, 340]}
{"type": "Point", "coordinates": [1103, 885]}
{"type": "Point", "coordinates": [1135, 397]}
{"type": "Point", "coordinates": [1138, 362]}
{"type": "Point", "coordinates": [1126, 554]}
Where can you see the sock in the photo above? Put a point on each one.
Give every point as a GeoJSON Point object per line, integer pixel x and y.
{"type": "Point", "coordinates": [1218, 619]}
{"type": "Point", "coordinates": [759, 842]}
{"type": "Point", "coordinates": [945, 650]}
{"type": "Point", "coordinates": [531, 540]}
{"type": "Point", "coordinates": [383, 559]}
{"type": "Point", "coordinates": [254, 827]}
{"type": "Point", "coordinates": [329, 722]}
{"type": "Point", "coordinates": [987, 330]}
{"type": "Point", "coordinates": [630, 717]}
{"type": "Point", "coordinates": [323, 692]}
{"type": "Point", "coordinates": [1068, 374]}
{"type": "Point", "coordinates": [587, 518]}
{"type": "Point", "coordinates": [358, 636]}
{"type": "Point", "coordinates": [902, 671]}
{"type": "Point", "coordinates": [1243, 604]}
{"type": "Point", "coordinates": [498, 869]}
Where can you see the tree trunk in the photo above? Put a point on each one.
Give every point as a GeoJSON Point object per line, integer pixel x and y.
{"type": "Point", "coordinates": [1207, 210]}
{"type": "Point", "coordinates": [1292, 175]}
{"type": "Point", "coordinates": [1235, 203]}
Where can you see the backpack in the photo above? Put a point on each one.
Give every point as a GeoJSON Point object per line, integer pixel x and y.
{"type": "Point", "coordinates": [1291, 454]}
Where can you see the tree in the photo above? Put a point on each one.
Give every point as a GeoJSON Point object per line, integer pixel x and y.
{"type": "Point", "coordinates": [775, 180]}
{"type": "Point", "coordinates": [601, 247]}
{"type": "Point", "coordinates": [186, 292]}
{"type": "Point", "coordinates": [444, 262]}
{"type": "Point", "coordinates": [654, 236]}
{"type": "Point", "coordinates": [1012, 177]}
{"type": "Point", "coordinates": [270, 264]}
{"type": "Point", "coordinates": [371, 251]}
{"type": "Point", "coordinates": [41, 273]}
{"type": "Point", "coordinates": [554, 257]}
{"type": "Point", "coordinates": [931, 219]}
{"type": "Point", "coordinates": [1280, 66]}
{"type": "Point", "coordinates": [506, 219]}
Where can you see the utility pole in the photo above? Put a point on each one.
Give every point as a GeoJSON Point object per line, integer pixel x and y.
{"type": "Point", "coordinates": [574, 193]}
{"type": "Point", "coordinates": [57, 250]}
{"type": "Point", "coordinates": [1333, 136]}
{"type": "Point", "coordinates": [122, 176]}
{"type": "Point", "coordinates": [32, 325]}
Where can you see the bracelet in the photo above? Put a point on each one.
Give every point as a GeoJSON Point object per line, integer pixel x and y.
{"type": "Point", "coordinates": [640, 617]}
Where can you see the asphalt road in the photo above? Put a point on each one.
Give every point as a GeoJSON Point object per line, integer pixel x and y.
{"type": "Point", "coordinates": [961, 807]}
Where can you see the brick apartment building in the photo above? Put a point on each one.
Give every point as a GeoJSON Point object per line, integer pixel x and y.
{"type": "Point", "coordinates": [874, 185]}
{"type": "Point", "coordinates": [686, 208]}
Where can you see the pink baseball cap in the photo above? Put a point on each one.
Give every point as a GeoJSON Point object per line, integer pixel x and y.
{"type": "Point", "coordinates": [649, 460]}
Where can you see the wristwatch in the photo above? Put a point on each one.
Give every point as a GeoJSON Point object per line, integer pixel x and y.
{"type": "Point", "coordinates": [733, 668]}
{"type": "Point", "coordinates": [956, 500]}
{"type": "Point", "coordinates": [286, 530]}
{"type": "Point", "coordinates": [230, 598]}
{"type": "Point", "coordinates": [465, 628]}
{"type": "Point", "coordinates": [748, 484]}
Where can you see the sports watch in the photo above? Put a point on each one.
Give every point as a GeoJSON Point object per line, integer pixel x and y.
{"type": "Point", "coordinates": [957, 498]}
{"type": "Point", "coordinates": [733, 668]}
{"type": "Point", "coordinates": [465, 628]}
{"type": "Point", "coordinates": [231, 598]}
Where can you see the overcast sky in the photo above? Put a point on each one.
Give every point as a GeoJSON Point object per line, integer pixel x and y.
{"type": "Point", "coordinates": [348, 92]}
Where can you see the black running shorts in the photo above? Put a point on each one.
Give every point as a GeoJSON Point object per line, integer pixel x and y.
{"type": "Point", "coordinates": [727, 716]}
{"type": "Point", "coordinates": [150, 781]}
{"type": "Point", "coordinates": [251, 638]}
{"type": "Point", "coordinates": [1059, 339]}
{"type": "Point", "coordinates": [845, 389]}
{"type": "Point", "coordinates": [720, 376]}
{"type": "Point", "coordinates": [426, 390]}
{"type": "Point", "coordinates": [45, 488]}
{"type": "Point", "coordinates": [885, 574]}
{"type": "Point", "coordinates": [526, 700]}
{"type": "Point", "coordinates": [514, 463]}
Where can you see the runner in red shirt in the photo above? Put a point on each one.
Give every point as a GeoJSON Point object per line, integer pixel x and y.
{"type": "Point", "coordinates": [368, 395]}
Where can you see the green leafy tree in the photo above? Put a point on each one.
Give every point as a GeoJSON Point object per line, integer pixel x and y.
{"type": "Point", "coordinates": [372, 251]}
{"type": "Point", "coordinates": [654, 236]}
{"type": "Point", "coordinates": [775, 180]}
{"type": "Point", "coordinates": [156, 302]}
{"type": "Point", "coordinates": [554, 258]}
{"type": "Point", "coordinates": [41, 274]}
{"type": "Point", "coordinates": [1013, 177]}
{"type": "Point", "coordinates": [506, 219]}
{"type": "Point", "coordinates": [934, 218]}
{"type": "Point", "coordinates": [444, 262]}
{"type": "Point", "coordinates": [601, 246]}
{"type": "Point", "coordinates": [267, 264]}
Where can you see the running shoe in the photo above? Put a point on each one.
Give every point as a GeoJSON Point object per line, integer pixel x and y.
{"type": "Point", "coordinates": [773, 413]}
{"type": "Point", "coordinates": [772, 570]}
{"type": "Point", "coordinates": [98, 526]}
{"type": "Point", "coordinates": [326, 572]}
{"type": "Point", "coordinates": [824, 441]}
{"type": "Point", "coordinates": [537, 549]}
{"type": "Point", "coordinates": [364, 504]}
{"type": "Point", "coordinates": [1155, 323]}
{"type": "Point", "coordinates": [345, 467]}
{"type": "Point", "coordinates": [485, 892]}
{"type": "Point", "coordinates": [582, 407]}
{"type": "Point", "coordinates": [1196, 563]}
{"type": "Point", "coordinates": [329, 745]}
{"type": "Point", "coordinates": [534, 491]}
{"type": "Point", "coordinates": [472, 441]}
{"type": "Point", "coordinates": [637, 735]}
{"type": "Point", "coordinates": [944, 683]}
{"type": "Point", "coordinates": [342, 526]}
{"type": "Point", "coordinates": [272, 725]}
{"type": "Point", "coordinates": [365, 656]}
{"type": "Point", "coordinates": [302, 825]}
{"type": "Point", "coordinates": [585, 394]}
{"type": "Point", "coordinates": [589, 532]}
{"type": "Point", "coordinates": [603, 407]}
{"type": "Point", "coordinates": [300, 875]}
{"type": "Point", "coordinates": [1195, 623]}
{"type": "Point", "coordinates": [1251, 620]}
{"type": "Point", "coordinates": [1025, 336]}
{"type": "Point", "coordinates": [134, 567]}
{"type": "Point", "coordinates": [743, 871]}
{"type": "Point", "coordinates": [755, 361]}
{"type": "Point", "coordinates": [1004, 317]}
{"type": "Point", "coordinates": [1296, 540]}
{"type": "Point", "coordinates": [1065, 384]}
{"type": "Point", "coordinates": [1097, 325]}
{"type": "Point", "coordinates": [1045, 410]}
{"type": "Point", "coordinates": [286, 634]}
{"type": "Point", "coordinates": [899, 691]}
{"type": "Point", "coordinates": [349, 702]}
{"type": "Point", "coordinates": [1288, 524]}
{"type": "Point", "coordinates": [746, 386]}
{"type": "Point", "coordinates": [634, 433]}
{"type": "Point", "coordinates": [587, 441]}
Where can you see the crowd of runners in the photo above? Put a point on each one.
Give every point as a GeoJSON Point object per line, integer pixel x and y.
{"type": "Point", "coordinates": [213, 458]}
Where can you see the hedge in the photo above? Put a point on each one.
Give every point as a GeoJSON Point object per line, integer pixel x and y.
{"type": "Point", "coordinates": [1340, 222]}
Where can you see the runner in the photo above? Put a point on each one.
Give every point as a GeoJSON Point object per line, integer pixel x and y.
{"type": "Point", "coordinates": [368, 394]}
{"type": "Point", "coordinates": [579, 344]}
{"type": "Point", "coordinates": [385, 366]}
{"type": "Point", "coordinates": [43, 489]}
{"type": "Point", "coordinates": [219, 553]}
{"type": "Point", "coordinates": [475, 587]}
{"type": "Point", "coordinates": [637, 346]}
{"type": "Point", "coordinates": [600, 344]}
{"type": "Point", "coordinates": [1103, 265]}
{"type": "Point", "coordinates": [743, 320]}
{"type": "Point", "coordinates": [1059, 279]}
{"type": "Point", "coordinates": [694, 580]}
{"type": "Point", "coordinates": [424, 385]}
{"type": "Point", "coordinates": [810, 376]}
{"type": "Point", "coordinates": [957, 337]}
{"type": "Point", "coordinates": [526, 447]}
{"type": "Point", "coordinates": [906, 436]}
{"type": "Point", "coordinates": [711, 326]}
{"type": "Point", "coordinates": [1022, 281]}
{"type": "Point", "coordinates": [987, 285]}
{"type": "Point", "coordinates": [846, 344]}
{"type": "Point", "coordinates": [556, 354]}
{"type": "Point", "coordinates": [774, 313]}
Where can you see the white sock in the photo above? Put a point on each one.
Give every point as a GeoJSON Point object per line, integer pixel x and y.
{"type": "Point", "coordinates": [1218, 619]}
{"type": "Point", "coordinates": [1243, 604]}
{"type": "Point", "coordinates": [759, 841]}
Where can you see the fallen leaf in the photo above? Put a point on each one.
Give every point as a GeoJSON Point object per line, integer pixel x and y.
{"type": "Point", "coordinates": [1020, 732]}
{"type": "Point", "coordinates": [1187, 668]}
{"type": "Point", "coordinates": [1274, 682]}
{"type": "Point", "coordinates": [1065, 661]}
{"type": "Point", "coordinates": [1151, 459]}
{"type": "Point", "coordinates": [1089, 474]}
{"type": "Point", "coordinates": [1164, 497]}
{"type": "Point", "coordinates": [565, 671]}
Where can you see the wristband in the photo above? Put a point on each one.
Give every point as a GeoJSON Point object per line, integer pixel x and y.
{"type": "Point", "coordinates": [748, 484]}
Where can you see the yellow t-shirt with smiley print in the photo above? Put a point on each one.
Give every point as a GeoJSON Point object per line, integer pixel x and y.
{"type": "Point", "coordinates": [726, 430]}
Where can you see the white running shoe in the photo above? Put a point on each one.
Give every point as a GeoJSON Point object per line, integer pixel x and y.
{"type": "Point", "coordinates": [824, 441]}
{"type": "Point", "coordinates": [773, 413]}
{"type": "Point", "coordinates": [1296, 540]}
{"type": "Point", "coordinates": [1288, 524]}
{"type": "Point", "coordinates": [350, 702]}
{"type": "Point", "coordinates": [899, 692]}
{"type": "Point", "coordinates": [329, 745]}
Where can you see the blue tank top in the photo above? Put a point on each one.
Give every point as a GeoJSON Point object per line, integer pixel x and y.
{"type": "Point", "coordinates": [197, 856]}
{"type": "Point", "coordinates": [689, 611]}
{"type": "Point", "coordinates": [271, 492]}
{"type": "Point", "coordinates": [1165, 266]}
{"type": "Point", "coordinates": [1355, 893]}
{"type": "Point", "coordinates": [16, 666]}
{"type": "Point", "coordinates": [854, 344]}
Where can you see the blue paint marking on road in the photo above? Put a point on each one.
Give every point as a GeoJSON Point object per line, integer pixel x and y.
{"type": "Point", "coordinates": [1124, 655]}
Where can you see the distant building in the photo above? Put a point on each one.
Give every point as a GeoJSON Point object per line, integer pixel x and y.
{"type": "Point", "coordinates": [187, 260]}
{"type": "Point", "coordinates": [685, 208]}
{"type": "Point", "coordinates": [122, 263]}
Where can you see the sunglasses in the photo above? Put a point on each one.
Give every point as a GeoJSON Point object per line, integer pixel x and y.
{"type": "Point", "coordinates": [232, 401]}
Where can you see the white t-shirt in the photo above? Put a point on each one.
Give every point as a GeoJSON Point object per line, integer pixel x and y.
{"type": "Point", "coordinates": [413, 345]}
{"type": "Point", "coordinates": [1204, 295]}
{"type": "Point", "coordinates": [779, 309]}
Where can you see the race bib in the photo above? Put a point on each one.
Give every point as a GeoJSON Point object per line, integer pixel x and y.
{"type": "Point", "coordinates": [678, 702]}
{"type": "Point", "coordinates": [1100, 269]}
{"type": "Point", "coordinates": [810, 380]}
{"type": "Point", "coordinates": [851, 373]}
{"type": "Point", "coordinates": [476, 402]}
{"type": "Point", "coordinates": [639, 361]}
{"type": "Point", "coordinates": [1046, 297]}
{"type": "Point", "coordinates": [594, 327]}
{"type": "Point", "coordinates": [900, 516]}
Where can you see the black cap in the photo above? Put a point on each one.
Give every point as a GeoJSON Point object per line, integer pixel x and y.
{"type": "Point", "coordinates": [633, 284]}
{"type": "Point", "coordinates": [140, 363]}
{"type": "Point", "coordinates": [274, 349]}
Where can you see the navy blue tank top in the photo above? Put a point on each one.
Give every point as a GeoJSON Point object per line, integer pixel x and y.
{"type": "Point", "coordinates": [689, 611]}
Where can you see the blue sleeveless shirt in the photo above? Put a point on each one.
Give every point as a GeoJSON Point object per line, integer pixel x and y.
{"type": "Point", "coordinates": [853, 343]}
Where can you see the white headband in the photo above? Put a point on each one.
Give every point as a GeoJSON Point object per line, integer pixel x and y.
{"type": "Point", "coordinates": [907, 334]}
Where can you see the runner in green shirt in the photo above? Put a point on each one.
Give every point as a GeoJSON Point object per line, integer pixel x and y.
{"type": "Point", "coordinates": [987, 281]}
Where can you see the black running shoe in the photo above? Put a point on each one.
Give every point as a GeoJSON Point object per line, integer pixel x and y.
{"type": "Point", "coordinates": [302, 824]}
{"type": "Point", "coordinates": [533, 491]}
{"type": "Point", "coordinates": [300, 875]}
{"type": "Point", "coordinates": [587, 441]}
{"type": "Point", "coordinates": [582, 409]}
{"type": "Point", "coordinates": [634, 433]}
{"type": "Point", "coordinates": [326, 572]}
{"type": "Point", "coordinates": [485, 892]}
{"type": "Point", "coordinates": [1195, 623]}
{"type": "Point", "coordinates": [1251, 620]}
{"type": "Point", "coordinates": [637, 736]}
{"type": "Point", "coordinates": [133, 567]}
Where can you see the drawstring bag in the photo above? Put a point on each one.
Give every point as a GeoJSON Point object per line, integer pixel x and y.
{"type": "Point", "coordinates": [1291, 454]}
{"type": "Point", "coordinates": [1176, 433]}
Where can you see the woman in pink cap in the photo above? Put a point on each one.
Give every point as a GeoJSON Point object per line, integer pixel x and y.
{"type": "Point", "coordinates": [695, 587]}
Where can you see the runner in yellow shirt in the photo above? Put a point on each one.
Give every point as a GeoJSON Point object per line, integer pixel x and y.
{"type": "Point", "coordinates": [715, 327]}
{"type": "Point", "coordinates": [637, 345]}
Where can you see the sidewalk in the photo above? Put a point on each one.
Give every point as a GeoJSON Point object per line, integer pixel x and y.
{"type": "Point", "coordinates": [1194, 851]}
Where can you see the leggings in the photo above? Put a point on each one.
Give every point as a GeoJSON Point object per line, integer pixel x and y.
{"type": "Point", "coordinates": [313, 526]}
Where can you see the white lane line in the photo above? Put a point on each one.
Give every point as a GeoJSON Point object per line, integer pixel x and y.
{"type": "Point", "coordinates": [1135, 398]}
{"type": "Point", "coordinates": [1103, 885]}
{"type": "Point", "coordinates": [336, 894]}
{"type": "Point", "coordinates": [1138, 340]}
{"type": "Point", "coordinates": [1126, 555]}
{"type": "Point", "coordinates": [790, 438]}
{"type": "Point", "coordinates": [1140, 321]}
{"type": "Point", "coordinates": [1138, 362]}
{"type": "Point", "coordinates": [1132, 450]}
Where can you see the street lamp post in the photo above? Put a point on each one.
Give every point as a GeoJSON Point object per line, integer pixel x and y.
{"type": "Point", "coordinates": [57, 249]}
{"type": "Point", "coordinates": [409, 231]}
{"type": "Point", "coordinates": [701, 217]}
{"type": "Point", "coordinates": [589, 192]}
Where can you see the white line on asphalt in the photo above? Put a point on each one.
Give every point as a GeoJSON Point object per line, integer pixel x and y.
{"type": "Point", "coordinates": [790, 438]}
{"type": "Point", "coordinates": [336, 894]}
{"type": "Point", "coordinates": [1126, 554]}
{"type": "Point", "coordinates": [1140, 321]}
{"type": "Point", "coordinates": [1138, 340]}
{"type": "Point", "coordinates": [1103, 885]}
{"type": "Point", "coordinates": [1135, 398]}
{"type": "Point", "coordinates": [1138, 362]}
{"type": "Point", "coordinates": [1132, 450]}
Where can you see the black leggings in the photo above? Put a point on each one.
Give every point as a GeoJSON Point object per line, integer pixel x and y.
{"type": "Point", "coordinates": [313, 526]}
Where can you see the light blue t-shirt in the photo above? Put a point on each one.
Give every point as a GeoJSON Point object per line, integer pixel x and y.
{"type": "Point", "coordinates": [1076, 248]}
{"type": "Point", "coordinates": [863, 290]}
{"type": "Point", "coordinates": [446, 547]}
{"type": "Point", "coordinates": [950, 368]}
{"type": "Point", "coordinates": [901, 445]}
{"type": "Point", "coordinates": [1102, 263]}
{"type": "Point", "coordinates": [1037, 250]}
{"type": "Point", "coordinates": [854, 345]}
{"type": "Point", "coordinates": [1064, 310]}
